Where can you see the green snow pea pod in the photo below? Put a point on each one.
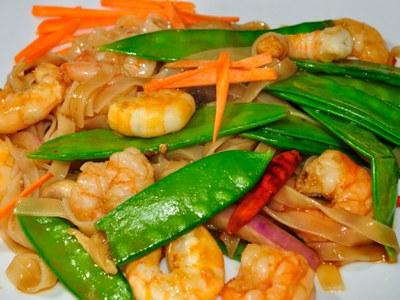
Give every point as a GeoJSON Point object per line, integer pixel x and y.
{"type": "Point", "coordinates": [181, 201]}
{"type": "Point", "coordinates": [321, 92]}
{"type": "Point", "coordinates": [383, 165]}
{"type": "Point", "coordinates": [354, 68]}
{"type": "Point", "coordinates": [70, 262]}
{"type": "Point", "coordinates": [170, 45]}
{"type": "Point", "coordinates": [295, 133]}
{"type": "Point", "coordinates": [101, 143]}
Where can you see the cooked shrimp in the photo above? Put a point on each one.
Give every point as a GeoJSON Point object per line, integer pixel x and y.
{"type": "Point", "coordinates": [336, 177]}
{"type": "Point", "coordinates": [20, 109]}
{"type": "Point", "coordinates": [368, 43]}
{"type": "Point", "coordinates": [103, 185]}
{"type": "Point", "coordinates": [151, 114]}
{"type": "Point", "coordinates": [196, 270]}
{"type": "Point", "coordinates": [267, 273]}
{"type": "Point", "coordinates": [326, 45]}
{"type": "Point", "coordinates": [6, 166]}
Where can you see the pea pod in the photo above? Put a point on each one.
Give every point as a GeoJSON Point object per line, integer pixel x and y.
{"type": "Point", "coordinates": [354, 68]}
{"type": "Point", "coordinates": [383, 164]}
{"type": "Point", "coordinates": [170, 45]}
{"type": "Point", "coordinates": [70, 262]}
{"type": "Point", "coordinates": [179, 202]}
{"type": "Point", "coordinates": [325, 94]}
{"type": "Point", "coordinates": [294, 133]}
{"type": "Point", "coordinates": [101, 143]}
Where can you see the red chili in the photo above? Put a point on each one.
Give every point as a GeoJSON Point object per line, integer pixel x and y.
{"type": "Point", "coordinates": [398, 201]}
{"type": "Point", "coordinates": [280, 169]}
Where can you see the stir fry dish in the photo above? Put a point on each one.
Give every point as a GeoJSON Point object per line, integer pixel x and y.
{"type": "Point", "coordinates": [145, 130]}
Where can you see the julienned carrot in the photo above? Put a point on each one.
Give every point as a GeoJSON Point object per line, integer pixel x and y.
{"type": "Point", "coordinates": [51, 25]}
{"type": "Point", "coordinates": [193, 18]}
{"type": "Point", "coordinates": [45, 43]}
{"type": "Point", "coordinates": [280, 169]}
{"type": "Point", "coordinates": [246, 63]}
{"type": "Point", "coordinates": [149, 4]}
{"type": "Point", "coordinates": [222, 88]}
{"type": "Point", "coordinates": [6, 209]}
{"type": "Point", "coordinates": [207, 76]}
{"type": "Point", "coordinates": [173, 15]}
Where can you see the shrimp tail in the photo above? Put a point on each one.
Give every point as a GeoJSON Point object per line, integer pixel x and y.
{"type": "Point", "coordinates": [278, 172]}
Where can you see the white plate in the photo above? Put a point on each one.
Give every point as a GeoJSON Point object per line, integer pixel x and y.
{"type": "Point", "coordinates": [363, 281]}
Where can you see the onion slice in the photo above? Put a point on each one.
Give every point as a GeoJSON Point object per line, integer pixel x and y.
{"type": "Point", "coordinates": [262, 231]}
{"type": "Point", "coordinates": [41, 207]}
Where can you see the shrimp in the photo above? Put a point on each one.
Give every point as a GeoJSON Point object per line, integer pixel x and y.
{"type": "Point", "coordinates": [196, 270]}
{"type": "Point", "coordinates": [326, 45]}
{"type": "Point", "coordinates": [151, 114]}
{"type": "Point", "coordinates": [101, 186]}
{"type": "Point", "coordinates": [267, 273]}
{"type": "Point", "coordinates": [336, 177]}
{"type": "Point", "coordinates": [6, 166]}
{"type": "Point", "coordinates": [21, 109]}
{"type": "Point", "coordinates": [368, 43]}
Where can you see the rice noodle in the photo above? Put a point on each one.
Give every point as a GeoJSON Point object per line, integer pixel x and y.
{"type": "Point", "coordinates": [329, 278]}
{"type": "Point", "coordinates": [45, 207]}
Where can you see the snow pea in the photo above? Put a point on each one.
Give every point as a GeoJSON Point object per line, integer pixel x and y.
{"type": "Point", "coordinates": [101, 143]}
{"type": "Point", "coordinates": [323, 93]}
{"type": "Point", "coordinates": [70, 262]}
{"type": "Point", "coordinates": [294, 132]}
{"type": "Point", "coordinates": [383, 164]}
{"type": "Point", "coordinates": [354, 68]}
{"type": "Point", "coordinates": [170, 45]}
{"type": "Point", "coordinates": [181, 201]}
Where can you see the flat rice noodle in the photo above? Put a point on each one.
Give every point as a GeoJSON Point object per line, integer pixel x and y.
{"type": "Point", "coordinates": [333, 252]}
{"type": "Point", "coordinates": [41, 207]}
{"type": "Point", "coordinates": [329, 278]}
{"type": "Point", "coordinates": [322, 227]}
{"type": "Point", "coordinates": [364, 225]}
{"type": "Point", "coordinates": [262, 231]}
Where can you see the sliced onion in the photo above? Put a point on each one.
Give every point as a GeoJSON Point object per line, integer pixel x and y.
{"type": "Point", "coordinates": [262, 231]}
{"type": "Point", "coordinates": [41, 207]}
{"type": "Point", "coordinates": [317, 225]}
{"type": "Point", "coordinates": [337, 253]}
{"type": "Point", "coordinates": [329, 278]}
{"type": "Point", "coordinates": [364, 225]}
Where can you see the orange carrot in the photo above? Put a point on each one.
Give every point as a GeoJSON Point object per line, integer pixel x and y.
{"type": "Point", "coordinates": [6, 209]}
{"type": "Point", "coordinates": [193, 18]}
{"type": "Point", "coordinates": [45, 43]}
{"type": "Point", "coordinates": [222, 86]}
{"type": "Point", "coordinates": [148, 4]}
{"type": "Point", "coordinates": [55, 24]}
{"type": "Point", "coordinates": [173, 15]}
{"type": "Point", "coordinates": [246, 63]}
{"type": "Point", "coordinates": [207, 75]}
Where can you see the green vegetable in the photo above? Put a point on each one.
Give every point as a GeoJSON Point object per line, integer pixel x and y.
{"type": "Point", "coordinates": [354, 68]}
{"type": "Point", "coordinates": [323, 93]}
{"type": "Point", "coordinates": [238, 252]}
{"type": "Point", "coordinates": [70, 262]}
{"type": "Point", "coordinates": [295, 133]}
{"type": "Point", "coordinates": [383, 164]}
{"type": "Point", "coordinates": [170, 45]}
{"type": "Point", "coordinates": [101, 143]}
{"type": "Point", "coordinates": [181, 201]}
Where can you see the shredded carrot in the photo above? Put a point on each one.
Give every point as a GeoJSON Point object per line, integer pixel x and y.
{"type": "Point", "coordinates": [147, 4]}
{"type": "Point", "coordinates": [193, 18]}
{"type": "Point", "coordinates": [207, 75]}
{"type": "Point", "coordinates": [222, 86]}
{"type": "Point", "coordinates": [6, 209]}
{"type": "Point", "coordinates": [173, 15]}
{"type": "Point", "coordinates": [246, 63]}
{"type": "Point", "coordinates": [43, 44]}
{"type": "Point", "coordinates": [51, 25]}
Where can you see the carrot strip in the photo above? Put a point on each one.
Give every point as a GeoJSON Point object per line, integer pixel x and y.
{"type": "Point", "coordinates": [173, 15]}
{"type": "Point", "coordinates": [222, 86]}
{"type": "Point", "coordinates": [43, 44]}
{"type": "Point", "coordinates": [280, 169]}
{"type": "Point", "coordinates": [208, 76]}
{"type": "Point", "coordinates": [148, 4]}
{"type": "Point", "coordinates": [51, 25]}
{"type": "Point", "coordinates": [193, 18]}
{"type": "Point", "coordinates": [6, 209]}
{"type": "Point", "coordinates": [246, 63]}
